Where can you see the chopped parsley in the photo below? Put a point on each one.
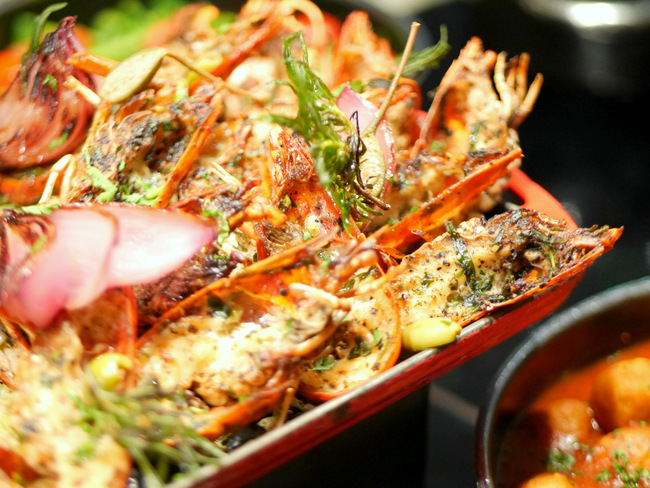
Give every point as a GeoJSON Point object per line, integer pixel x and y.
{"type": "Point", "coordinates": [100, 181]}
{"type": "Point", "coordinates": [629, 475]}
{"type": "Point", "coordinates": [59, 140]}
{"type": "Point", "coordinates": [323, 364]}
{"type": "Point", "coordinates": [479, 283]}
{"type": "Point", "coordinates": [38, 209]}
{"type": "Point", "coordinates": [224, 229]}
{"type": "Point", "coordinates": [362, 347]}
{"type": "Point", "coordinates": [560, 461]}
{"type": "Point", "coordinates": [50, 81]}
{"type": "Point", "coordinates": [603, 475]}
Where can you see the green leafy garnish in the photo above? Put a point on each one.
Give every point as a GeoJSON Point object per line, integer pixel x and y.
{"type": "Point", "coordinates": [58, 141]}
{"type": "Point", "coordinates": [101, 182]}
{"type": "Point", "coordinates": [155, 428]}
{"type": "Point", "coordinates": [363, 348]}
{"type": "Point", "coordinates": [629, 475]}
{"type": "Point", "coordinates": [603, 475]}
{"type": "Point", "coordinates": [137, 190]}
{"type": "Point", "coordinates": [429, 57]}
{"type": "Point", "coordinates": [323, 364]}
{"type": "Point", "coordinates": [479, 283]}
{"type": "Point", "coordinates": [334, 142]}
{"type": "Point", "coordinates": [224, 229]}
{"type": "Point", "coordinates": [560, 461]}
{"type": "Point", "coordinates": [50, 81]}
{"type": "Point", "coordinates": [40, 23]}
{"type": "Point", "coordinates": [38, 209]}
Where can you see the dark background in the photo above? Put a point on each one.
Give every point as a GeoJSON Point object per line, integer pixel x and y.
{"type": "Point", "coordinates": [588, 143]}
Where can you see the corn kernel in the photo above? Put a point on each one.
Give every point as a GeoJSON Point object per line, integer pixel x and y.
{"type": "Point", "coordinates": [432, 332]}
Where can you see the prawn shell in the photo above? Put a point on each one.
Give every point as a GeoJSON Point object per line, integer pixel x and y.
{"type": "Point", "coordinates": [349, 373]}
{"type": "Point", "coordinates": [445, 205]}
{"type": "Point", "coordinates": [110, 324]}
{"type": "Point", "coordinates": [15, 467]}
{"type": "Point", "coordinates": [221, 420]}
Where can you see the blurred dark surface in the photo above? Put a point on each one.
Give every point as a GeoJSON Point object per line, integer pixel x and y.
{"type": "Point", "coordinates": [586, 142]}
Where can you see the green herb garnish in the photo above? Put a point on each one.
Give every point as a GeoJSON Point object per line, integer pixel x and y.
{"type": "Point", "coordinates": [362, 348]}
{"type": "Point", "coordinates": [50, 81]}
{"type": "Point", "coordinates": [38, 209]}
{"type": "Point", "coordinates": [224, 229]}
{"type": "Point", "coordinates": [629, 475]}
{"type": "Point", "coordinates": [560, 461]}
{"type": "Point", "coordinates": [154, 427]}
{"type": "Point", "coordinates": [40, 24]}
{"type": "Point", "coordinates": [58, 141]}
{"type": "Point", "coordinates": [429, 57]}
{"type": "Point", "coordinates": [323, 364]}
{"type": "Point", "coordinates": [101, 182]}
{"type": "Point", "coordinates": [334, 141]}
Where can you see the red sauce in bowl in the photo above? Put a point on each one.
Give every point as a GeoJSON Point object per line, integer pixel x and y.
{"type": "Point", "coordinates": [588, 429]}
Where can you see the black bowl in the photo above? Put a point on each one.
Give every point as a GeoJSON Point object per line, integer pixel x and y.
{"type": "Point", "coordinates": [593, 329]}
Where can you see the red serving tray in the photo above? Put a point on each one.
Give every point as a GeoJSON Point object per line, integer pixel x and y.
{"type": "Point", "coordinates": [267, 452]}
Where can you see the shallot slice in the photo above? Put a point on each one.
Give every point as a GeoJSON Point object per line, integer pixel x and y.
{"type": "Point", "coordinates": [152, 243]}
{"type": "Point", "coordinates": [94, 248]}
{"type": "Point", "coordinates": [66, 271]}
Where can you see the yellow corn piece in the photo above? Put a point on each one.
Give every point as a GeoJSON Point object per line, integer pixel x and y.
{"type": "Point", "coordinates": [432, 332]}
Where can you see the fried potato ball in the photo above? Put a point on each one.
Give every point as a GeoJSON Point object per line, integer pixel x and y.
{"type": "Point", "coordinates": [548, 480]}
{"type": "Point", "coordinates": [622, 454]}
{"type": "Point", "coordinates": [571, 417]}
{"type": "Point", "coordinates": [621, 394]}
{"type": "Point", "coordinates": [634, 442]}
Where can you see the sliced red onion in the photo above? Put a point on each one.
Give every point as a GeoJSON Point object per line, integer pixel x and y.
{"type": "Point", "coordinates": [350, 102]}
{"type": "Point", "coordinates": [152, 243]}
{"type": "Point", "coordinates": [66, 271]}
{"type": "Point", "coordinates": [40, 118]}
{"type": "Point", "coordinates": [93, 248]}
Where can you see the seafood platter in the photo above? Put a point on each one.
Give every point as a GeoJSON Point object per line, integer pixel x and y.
{"type": "Point", "coordinates": [253, 226]}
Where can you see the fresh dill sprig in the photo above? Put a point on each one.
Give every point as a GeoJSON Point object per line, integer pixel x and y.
{"type": "Point", "coordinates": [152, 426]}
{"type": "Point", "coordinates": [39, 24]}
{"type": "Point", "coordinates": [319, 120]}
{"type": "Point", "coordinates": [429, 57]}
{"type": "Point", "coordinates": [334, 141]}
